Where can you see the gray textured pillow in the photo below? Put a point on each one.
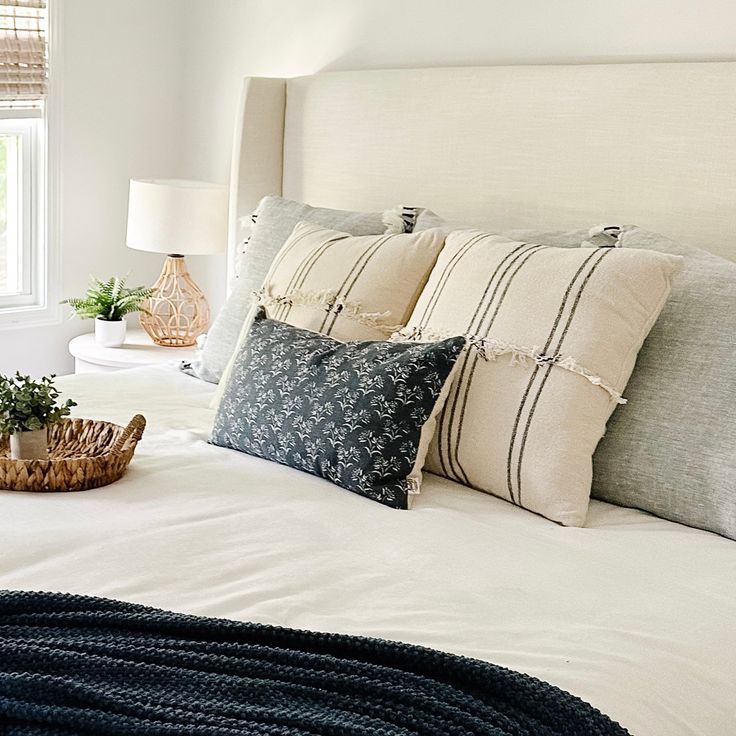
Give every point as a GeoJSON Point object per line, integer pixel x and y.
{"type": "Point", "coordinates": [276, 218]}
{"type": "Point", "coordinates": [427, 219]}
{"type": "Point", "coordinates": [672, 449]}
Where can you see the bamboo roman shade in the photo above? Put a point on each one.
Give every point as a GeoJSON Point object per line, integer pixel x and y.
{"type": "Point", "coordinates": [23, 67]}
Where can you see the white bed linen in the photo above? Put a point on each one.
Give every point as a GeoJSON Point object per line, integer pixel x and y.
{"type": "Point", "coordinates": [633, 614]}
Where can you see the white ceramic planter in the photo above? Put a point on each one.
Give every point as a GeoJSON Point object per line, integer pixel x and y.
{"type": "Point", "coordinates": [29, 445]}
{"type": "Point", "coordinates": [110, 334]}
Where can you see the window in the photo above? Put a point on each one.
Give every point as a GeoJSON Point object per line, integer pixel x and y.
{"type": "Point", "coordinates": [23, 74]}
{"type": "Point", "coordinates": [21, 257]}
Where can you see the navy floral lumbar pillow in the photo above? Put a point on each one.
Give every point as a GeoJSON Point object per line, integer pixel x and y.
{"type": "Point", "coordinates": [360, 414]}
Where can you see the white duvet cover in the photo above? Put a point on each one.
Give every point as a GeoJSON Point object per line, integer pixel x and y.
{"type": "Point", "coordinates": [633, 614]}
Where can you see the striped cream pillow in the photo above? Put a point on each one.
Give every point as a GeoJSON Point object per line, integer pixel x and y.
{"type": "Point", "coordinates": [345, 286]}
{"type": "Point", "coordinates": [552, 335]}
{"type": "Point", "coordinates": [348, 287]}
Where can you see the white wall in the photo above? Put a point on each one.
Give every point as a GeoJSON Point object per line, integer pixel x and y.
{"type": "Point", "coordinates": [121, 99]}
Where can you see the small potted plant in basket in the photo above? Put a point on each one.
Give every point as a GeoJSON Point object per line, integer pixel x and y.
{"type": "Point", "coordinates": [27, 409]}
{"type": "Point", "coordinates": [107, 302]}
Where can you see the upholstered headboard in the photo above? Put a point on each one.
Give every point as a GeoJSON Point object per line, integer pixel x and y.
{"type": "Point", "coordinates": [516, 146]}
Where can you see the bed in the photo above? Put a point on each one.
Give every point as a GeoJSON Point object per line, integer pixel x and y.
{"type": "Point", "coordinates": [633, 614]}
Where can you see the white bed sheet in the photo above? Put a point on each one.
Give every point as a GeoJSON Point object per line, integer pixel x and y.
{"type": "Point", "coordinates": [634, 614]}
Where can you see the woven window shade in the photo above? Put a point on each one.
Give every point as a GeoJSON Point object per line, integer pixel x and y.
{"type": "Point", "coordinates": [23, 64]}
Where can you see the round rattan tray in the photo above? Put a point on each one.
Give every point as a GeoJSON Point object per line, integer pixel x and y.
{"type": "Point", "coordinates": [83, 454]}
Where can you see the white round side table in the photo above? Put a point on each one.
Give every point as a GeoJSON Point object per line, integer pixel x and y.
{"type": "Point", "coordinates": [138, 350]}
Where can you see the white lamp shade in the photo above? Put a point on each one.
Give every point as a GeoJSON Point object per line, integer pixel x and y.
{"type": "Point", "coordinates": [177, 216]}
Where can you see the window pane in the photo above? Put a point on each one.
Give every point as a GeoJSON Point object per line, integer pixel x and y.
{"type": "Point", "coordinates": [11, 247]}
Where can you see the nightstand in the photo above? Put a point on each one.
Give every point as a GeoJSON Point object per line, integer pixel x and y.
{"type": "Point", "coordinates": [138, 350]}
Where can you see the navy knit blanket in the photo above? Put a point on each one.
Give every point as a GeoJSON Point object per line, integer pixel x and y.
{"type": "Point", "coordinates": [79, 665]}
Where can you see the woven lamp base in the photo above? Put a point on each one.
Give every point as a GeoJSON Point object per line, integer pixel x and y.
{"type": "Point", "coordinates": [178, 312]}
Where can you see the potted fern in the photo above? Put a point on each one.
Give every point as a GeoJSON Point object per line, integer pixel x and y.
{"type": "Point", "coordinates": [27, 409]}
{"type": "Point", "coordinates": [107, 302]}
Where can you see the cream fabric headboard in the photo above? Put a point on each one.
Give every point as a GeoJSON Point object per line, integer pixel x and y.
{"type": "Point", "coordinates": [512, 147]}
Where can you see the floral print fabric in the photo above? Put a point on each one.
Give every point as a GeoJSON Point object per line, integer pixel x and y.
{"type": "Point", "coordinates": [351, 413]}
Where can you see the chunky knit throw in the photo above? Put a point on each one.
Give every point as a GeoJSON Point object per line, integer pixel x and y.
{"type": "Point", "coordinates": [78, 665]}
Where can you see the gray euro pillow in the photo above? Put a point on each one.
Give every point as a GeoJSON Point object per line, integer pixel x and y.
{"type": "Point", "coordinates": [274, 220]}
{"type": "Point", "coordinates": [427, 220]}
{"type": "Point", "coordinates": [672, 449]}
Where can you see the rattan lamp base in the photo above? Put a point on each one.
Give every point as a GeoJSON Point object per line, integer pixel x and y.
{"type": "Point", "coordinates": [178, 313]}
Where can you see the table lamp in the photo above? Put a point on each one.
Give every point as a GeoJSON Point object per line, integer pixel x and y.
{"type": "Point", "coordinates": [177, 217]}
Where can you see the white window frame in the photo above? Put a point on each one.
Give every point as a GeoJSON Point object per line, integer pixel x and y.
{"type": "Point", "coordinates": [40, 307]}
{"type": "Point", "coordinates": [30, 189]}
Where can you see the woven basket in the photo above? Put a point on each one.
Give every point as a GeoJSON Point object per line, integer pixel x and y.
{"type": "Point", "coordinates": [83, 454]}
